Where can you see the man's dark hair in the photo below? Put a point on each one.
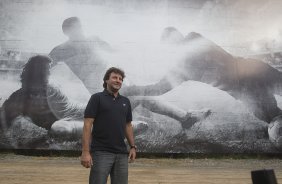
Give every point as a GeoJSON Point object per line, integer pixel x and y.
{"type": "Point", "coordinates": [69, 23]}
{"type": "Point", "coordinates": [36, 71]}
{"type": "Point", "coordinates": [108, 73]}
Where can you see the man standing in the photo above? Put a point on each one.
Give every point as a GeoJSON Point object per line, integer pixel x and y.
{"type": "Point", "coordinates": [109, 116]}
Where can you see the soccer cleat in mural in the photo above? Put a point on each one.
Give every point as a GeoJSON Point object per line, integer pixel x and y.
{"type": "Point", "coordinates": [192, 117]}
{"type": "Point", "coordinates": [139, 127]}
{"type": "Point", "coordinates": [275, 132]}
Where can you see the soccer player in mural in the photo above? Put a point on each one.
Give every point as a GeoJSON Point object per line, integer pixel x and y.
{"type": "Point", "coordinates": [81, 54]}
{"type": "Point", "coordinates": [38, 103]}
{"type": "Point", "coordinates": [107, 123]}
{"type": "Point", "coordinates": [249, 80]}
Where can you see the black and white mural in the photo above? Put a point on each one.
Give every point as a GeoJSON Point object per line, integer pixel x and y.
{"type": "Point", "coordinates": [203, 76]}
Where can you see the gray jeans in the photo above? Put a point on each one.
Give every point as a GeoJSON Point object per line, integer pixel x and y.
{"type": "Point", "coordinates": [105, 164]}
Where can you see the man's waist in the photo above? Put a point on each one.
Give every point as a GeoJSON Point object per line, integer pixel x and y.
{"type": "Point", "coordinates": [109, 148]}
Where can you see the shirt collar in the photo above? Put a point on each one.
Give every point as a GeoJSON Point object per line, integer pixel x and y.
{"type": "Point", "coordinates": [106, 92]}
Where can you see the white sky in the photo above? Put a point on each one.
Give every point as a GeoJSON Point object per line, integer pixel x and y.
{"type": "Point", "coordinates": [240, 27]}
{"type": "Point", "coordinates": [231, 24]}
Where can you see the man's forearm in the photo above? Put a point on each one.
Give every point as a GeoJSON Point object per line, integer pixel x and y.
{"type": "Point", "coordinates": [86, 159]}
{"type": "Point", "coordinates": [129, 134]}
{"type": "Point", "coordinates": [86, 136]}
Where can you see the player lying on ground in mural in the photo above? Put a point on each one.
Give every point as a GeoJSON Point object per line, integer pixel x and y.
{"type": "Point", "coordinates": [251, 81]}
{"type": "Point", "coordinates": [81, 54]}
{"type": "Point", "coordinates": [39, 102]}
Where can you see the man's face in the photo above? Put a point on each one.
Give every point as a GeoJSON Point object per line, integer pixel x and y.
{"type": "Point", "coordinates": [114, 82]}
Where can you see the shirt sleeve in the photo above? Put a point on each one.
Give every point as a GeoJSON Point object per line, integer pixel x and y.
{"type": "Point", "coordinates": [129, 113]}
{"type": "Point", "coordinates": [92, 107]}
{"type": "Point", "coordinates": [61, 106]}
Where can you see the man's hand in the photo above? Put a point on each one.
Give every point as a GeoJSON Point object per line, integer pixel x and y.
{"type": "Point", "coordinates": [132, 155]}
{"type": "Point", "coordinates": [86, 159]}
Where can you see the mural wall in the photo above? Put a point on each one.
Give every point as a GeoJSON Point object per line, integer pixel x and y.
{"type": "Point", "coordinates": [202, 76]}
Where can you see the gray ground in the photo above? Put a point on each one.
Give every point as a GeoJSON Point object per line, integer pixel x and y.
{"type": "Point", "coordinates": [15, 169]}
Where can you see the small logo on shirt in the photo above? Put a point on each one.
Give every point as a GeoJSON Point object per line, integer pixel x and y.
{"type": "Point", "coordinates": [124, 105]}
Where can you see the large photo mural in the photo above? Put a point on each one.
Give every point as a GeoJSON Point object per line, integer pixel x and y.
{"type": "Point", "coordinates": [203, 76]}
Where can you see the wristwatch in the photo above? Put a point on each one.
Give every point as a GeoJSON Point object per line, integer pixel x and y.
{"type": "Point", "coordinates": [133, 147]}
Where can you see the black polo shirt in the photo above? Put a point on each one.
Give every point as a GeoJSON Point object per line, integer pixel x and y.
{"type": "Point", "coordinates": [111, 115]}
